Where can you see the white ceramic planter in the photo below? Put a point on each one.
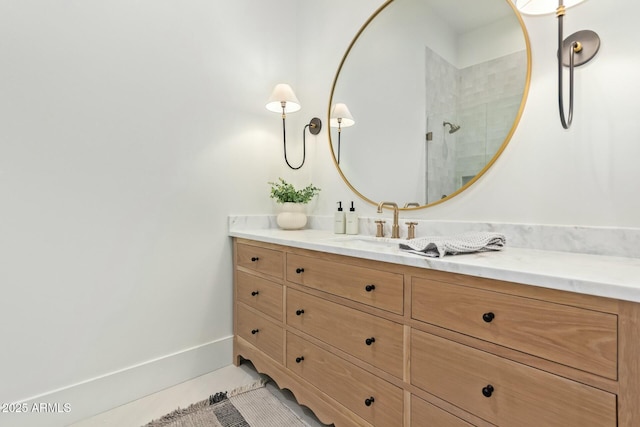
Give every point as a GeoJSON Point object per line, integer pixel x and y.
{"type": "Point", "coordinates": [293, 216]}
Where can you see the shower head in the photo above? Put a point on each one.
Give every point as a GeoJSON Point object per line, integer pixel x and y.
{"type": "Point", "coordinates": [452, 128]}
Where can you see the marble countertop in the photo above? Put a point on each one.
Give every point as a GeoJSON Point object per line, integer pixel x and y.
{"type": "Point", "coordinates": [606, 276]}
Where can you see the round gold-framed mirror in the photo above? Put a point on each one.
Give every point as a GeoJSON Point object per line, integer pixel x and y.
{"type": "Point", "coordinates": [434, 90]}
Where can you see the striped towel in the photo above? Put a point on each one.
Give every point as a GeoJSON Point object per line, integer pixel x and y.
{"type": "Point", "coordinates": [465, 243]}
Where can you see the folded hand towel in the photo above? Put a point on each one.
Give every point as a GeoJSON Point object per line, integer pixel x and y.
{"type": "Point", "coordinates": [439, 246]}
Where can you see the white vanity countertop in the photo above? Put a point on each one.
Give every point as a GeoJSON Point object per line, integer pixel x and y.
{"type": "Point", "coordinates": [606, 276]}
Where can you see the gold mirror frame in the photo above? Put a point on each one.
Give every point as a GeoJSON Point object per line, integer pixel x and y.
{"type": "Point", "coordinates": [489, 163]}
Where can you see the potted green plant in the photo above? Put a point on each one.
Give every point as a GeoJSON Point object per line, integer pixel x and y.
{"type": "Point", "coordinates": [293, 215]}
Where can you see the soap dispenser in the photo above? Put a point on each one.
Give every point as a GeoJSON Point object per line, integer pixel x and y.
{"type": "Point", "coordinates": [352, 220]}
{"type": "Point", "coordinates": [339, 222]}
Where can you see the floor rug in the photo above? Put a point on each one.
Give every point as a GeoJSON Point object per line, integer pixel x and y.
{"type": "Point", "coordinates": [249, 406]}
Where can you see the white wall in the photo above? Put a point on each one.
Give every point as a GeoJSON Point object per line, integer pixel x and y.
{"type": "Point", "coordinates": [585, 176]}
{"type": "Point", "coordinates": [489, 42]}
{"type": "Point", "coordinates": [128, 132]}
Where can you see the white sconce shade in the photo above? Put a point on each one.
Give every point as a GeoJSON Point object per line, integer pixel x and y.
{"type": "Point", "coordinates": [283, 93]}
{"type": "Point", "coordinates": [283, 100]}
{"type": "Point", "coordinates": [341, 111]}
{"type": "Point", "coordinates": [340, 118]}
{"type": "Point", "coordinates": [541, 7]}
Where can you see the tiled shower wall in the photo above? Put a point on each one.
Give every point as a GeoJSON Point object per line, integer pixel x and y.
{"type": "Point", "coordinates": [489, 98]}
{"type": "Point", "coordinates": [484, 100]}
{"type": "Point", "coordinates": [441, 103]}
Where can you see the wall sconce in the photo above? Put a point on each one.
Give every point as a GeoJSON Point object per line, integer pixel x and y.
{"type": "Point", "coordinates": [577, 49]}
{"type": "Point", "coordinates": [340, 118]}
{"type": "Point", "coordinates": [283, 100]}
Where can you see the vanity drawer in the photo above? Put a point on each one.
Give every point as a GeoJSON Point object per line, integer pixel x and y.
{"type": "Point", "coordinates": [260, 331]}
{"type": "Point", "coordinates": [377, 288]}
{"type": "Point", "coordinates": [346, 383]}
{"type": "Point", "coordinates": [372, 339]}
{"type": "Point", "coordinates": [576, 337]}
{"type": "Point", "coordinates": [516, 395]}
{"type": "Point", "coordinates": [425, 414]}
{"type": "Point", "coordinates": [263, 260]}
{"type": "Point", "coordinates": [259, 293]}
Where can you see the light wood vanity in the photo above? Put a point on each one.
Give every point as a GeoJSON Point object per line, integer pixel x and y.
{"type": "Point", "coordinates": [369, 343]}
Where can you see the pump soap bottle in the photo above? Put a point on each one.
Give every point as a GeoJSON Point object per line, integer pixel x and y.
{"type": "Point", "coordinates": [352, 220]}
{"type": "Point", "coordinates": [339, 222]}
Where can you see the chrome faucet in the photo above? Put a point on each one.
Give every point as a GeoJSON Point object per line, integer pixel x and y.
{"type": "Point", "coordinates": [395, 228]}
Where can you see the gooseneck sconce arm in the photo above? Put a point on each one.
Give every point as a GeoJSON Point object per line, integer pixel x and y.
{"type": "Point", "coordinates": [340, 118]}
{"type": "Point", "coordinates": [314, 126]}
{"type": "Point", "coordinates": [577, 49]}
{"type": "Point", "coordinates": [283, 100]}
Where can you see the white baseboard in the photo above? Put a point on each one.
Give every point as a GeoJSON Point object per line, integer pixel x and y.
{"type": "Point", "coordinates": [79, 401]}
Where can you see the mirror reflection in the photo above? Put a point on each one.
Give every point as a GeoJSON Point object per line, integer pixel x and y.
{"type": "Point", "coordinates": [437, 88]}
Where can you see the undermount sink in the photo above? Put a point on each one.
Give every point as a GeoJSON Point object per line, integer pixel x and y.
{"type": "Point", "coordinates": [367, 242]}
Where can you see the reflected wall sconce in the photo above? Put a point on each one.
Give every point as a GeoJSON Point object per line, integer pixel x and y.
{"type": "Point", "coordinates": [577, 49]}
{"type": "Point", "coordinates": [283, 100]}
{"type": "Point", "coordinates": [340, 118]}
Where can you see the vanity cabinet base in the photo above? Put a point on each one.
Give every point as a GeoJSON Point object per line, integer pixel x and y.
{"type": "Point", "coordinates": [325, 408]}
{"type": "Point", "coordinates": [454, 353]}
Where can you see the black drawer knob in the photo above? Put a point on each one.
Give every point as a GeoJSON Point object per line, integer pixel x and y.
{"type": "Point", "coordinates": [299, 359]}
{"type": "Point", "coordinates": [487, 391]}
{"type": "Point", "coordinates": [369, 401]}
{"type": "Point", "coordinates": [299, 270]}
{"type": "Point", "coordinates": [254, 293]}
{"type": "Point", "coordinates": [299, 312]}
{"type": "Point", "coordinates": [369, 341]}
{"type": "Point", "coordinates": [255, 331]}
{"type": "Point", "coordinates": [370, 288]}
{"type": "Point", "coordinates": [488, 317]}
{"type": "Point", "coordinates": [254, 259]}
